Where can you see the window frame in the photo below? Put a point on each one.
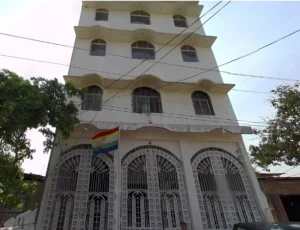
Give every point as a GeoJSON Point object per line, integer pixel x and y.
{"type": "Point", "coordinates": [90, 103]}
{"type": "Point", "coordinates": [146, 94]}
{"type": "Point", "coordinates": [140, 14]}
{"type": "Point", "coordinates": [178, 19]}
{"type": "Point", "coordinates": [137, 46]}
{"type": "Point", "coordinates": [187, 49]}
{"type": "Point", "coordinates": [101, 11]}
{"type": "Point", "coordinates": [100, 43]}
{"type": "Point", "coordinates": [198, 97]}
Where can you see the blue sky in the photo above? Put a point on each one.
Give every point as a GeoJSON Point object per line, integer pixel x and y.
{"type": "Point", "coordinates": [241, 27]}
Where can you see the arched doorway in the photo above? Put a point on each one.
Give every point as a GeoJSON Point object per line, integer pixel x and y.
{"type": "Point", "coordinates": [153, 190]}
{"type": "Point", "coordinates": [81, 194]}
{"type": "Point", "coordinates": [223, 190]}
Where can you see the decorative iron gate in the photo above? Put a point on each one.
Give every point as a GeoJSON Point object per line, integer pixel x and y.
{"type": "Point", "coordinates": [153, 190]}
{"type": "Point", "coordinates": [223, 190]}
{"type": "Point", "coordinates": [81, 194]}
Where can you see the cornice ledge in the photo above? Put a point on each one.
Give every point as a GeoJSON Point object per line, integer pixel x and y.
{"type": "Point", "coordinates": [173, 127]}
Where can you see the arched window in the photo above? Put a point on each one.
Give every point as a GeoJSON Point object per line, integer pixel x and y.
{"type": "Point", "coordinates": [146, 100]}
{"type": "Point", "coordinates": [93, 99]}
{"type": "Point", "coordinates": [142, 50]}
{"type": "Point", "coordinates": [98, 47]}
{"type": "Point", "coordinates": [179, 21]}
{"type": "Point", "coordinates": [101, 15]}
{"type": "Point", "coordinates": [202, 103]}
{"type": "Point", "coordinates": [140, 17]}
{"type": "Point", "coordinates": [189, 54]}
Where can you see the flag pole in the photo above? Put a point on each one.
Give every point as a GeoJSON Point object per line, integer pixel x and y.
{"type": "Point", "coordinates": [119, 179]}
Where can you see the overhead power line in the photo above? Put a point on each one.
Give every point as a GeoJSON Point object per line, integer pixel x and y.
{"type": "Point", "coordinates": [189, 117]}
{"type": "Point", "coordinates": [75, 67]}
{"type": "Point", "coordinates": [214, 119]}
{"type": "Point", "coordinates": [236, 59]}
{"type": "Point", "coordinates": [170, 50]}
{"type": "Point", "coordinates": [144, 61]}
{"type": "Point", "coordinates": [160, 62]}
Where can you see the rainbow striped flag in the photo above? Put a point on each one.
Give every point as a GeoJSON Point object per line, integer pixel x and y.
{"type": "Point", "coordinates": [105, 141]}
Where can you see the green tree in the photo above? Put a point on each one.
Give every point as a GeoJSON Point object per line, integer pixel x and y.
{"type": "Point", "coordinates": [37, 103]}
{"type": "Point", "coordinates": [280, 140]}
{"type": "Point", "coordinates": [15, 193]}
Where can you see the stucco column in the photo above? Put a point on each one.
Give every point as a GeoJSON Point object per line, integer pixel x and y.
{"type": "Point", "coordinates": [261, 199]}
{"type": "Point", "coordinates": [196, 222]}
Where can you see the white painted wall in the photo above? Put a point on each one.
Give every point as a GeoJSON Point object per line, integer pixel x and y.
{"type": "Point", "coordinates": [24, 221]}
{"type": "Point", "coordinates": [119, 109]}
{"type": "Point", "coordinates": [121, 20]}
{"type": "Point", "coordinates": [121, 65]}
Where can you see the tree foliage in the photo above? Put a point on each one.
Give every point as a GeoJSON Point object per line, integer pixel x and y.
{"type": "Point", "coordinates": [280, 140]}
{"type": "Point", "coordinates": [34, 104]}
{"type": "Point", "coordinates": [37, 103]}
{"type": "Point", "coordinates": [15, 193]}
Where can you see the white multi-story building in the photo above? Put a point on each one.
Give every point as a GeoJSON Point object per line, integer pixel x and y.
{"type": "Point", "coordinates": [181, 156]}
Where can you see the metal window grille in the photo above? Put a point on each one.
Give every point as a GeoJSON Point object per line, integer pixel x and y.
{"type": "Point", "coordinates": [101, 15]}
{"type": "Point", "coordinates": [171, 210]}
{"type": "Point", "coordinates": [202, 107]}
{"type": "Point", "coordinates": [97, 213]}
{"type": "Point", "coordinates": [140, 17]}
{"type": "Point", "coordinates": [93, 99]}
{"type": "Point", "coordinates": [206, 176]}
{"type": "Point", "coordinates": [159, 201]}
{"type": "Point", "coordinates": [189, 54]}
{"type": "Point", "coordinates": [137, 175]}
{"type": "Point", "coordinates": [67, 177]}
{"type": "Point", "coordinates": [98, 47]}
{"type": "Point", "coordinates": [234, 179]}
{"type": "Point", "coordinates": [147, 104]}
{"type": "Point", "coordinates": [167, 175]}
{"type": "Point", "coordinates": [99, 177]}
{"type": "Point", "coordinates": [179, 21]}
{"type": "Point", "coordinates": [233, 176]}
{"type": "Point", "coordinates": [63, 207]}
{"type": "Point", "coordinates": [202, 103]}
{"type": "Point", "coordinates": [224, 195]}
{"type": "Point", "coordinates": [142, 50]}
{"type": "Point", "coordinates": [243, 207]}
{"type": "Point", "coordinates": [138, 210]}
{"type": "Point", "coordinates": [146, 100]}
{"type": "Point", "coordinates": [214, 212]}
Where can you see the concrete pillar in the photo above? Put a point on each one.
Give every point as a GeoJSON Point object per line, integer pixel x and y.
{"type": "Point", "coordinates": [196, 222]}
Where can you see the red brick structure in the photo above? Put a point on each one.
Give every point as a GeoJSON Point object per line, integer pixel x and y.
{"type": "Point", "coordinates": [283, 195]}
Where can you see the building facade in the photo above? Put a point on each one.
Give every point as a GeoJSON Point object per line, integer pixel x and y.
{"type": "Point", "coordinates": [181, 156]}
